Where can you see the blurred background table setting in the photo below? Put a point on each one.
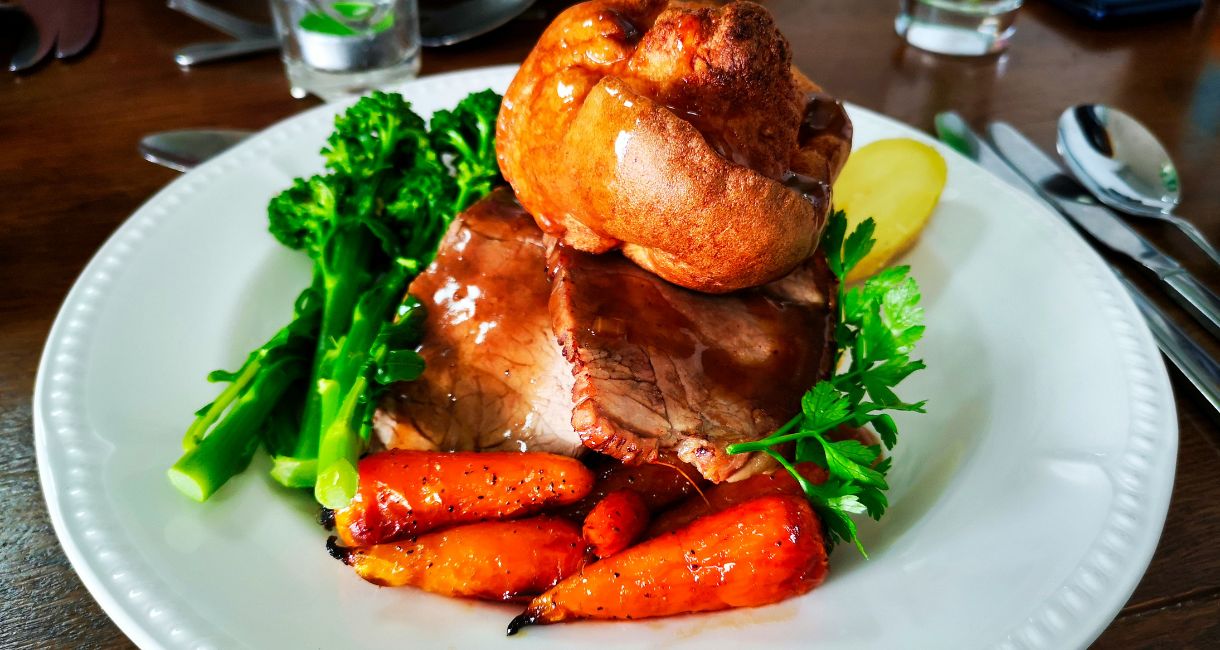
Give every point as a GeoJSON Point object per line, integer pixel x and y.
{"type": "Point", "coordinates": [95, 87]}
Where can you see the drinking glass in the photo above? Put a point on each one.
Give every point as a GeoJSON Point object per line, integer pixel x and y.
{"type": "Point", "coordinates": [335, 49]}
{"type": "Point", "coordinates": [958, 27]}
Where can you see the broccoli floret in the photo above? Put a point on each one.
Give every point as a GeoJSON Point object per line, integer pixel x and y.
{"type": "Point", "coordinates": [302, 216]}
{"type": "Point", "coordinates": [375, 134]}
{"type": "Point", "coordinates": [468, 134]}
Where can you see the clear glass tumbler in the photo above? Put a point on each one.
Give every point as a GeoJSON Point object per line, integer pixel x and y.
{"type": "Point", "coordinates": [958, 27]}
{"type": "Point", "coordinates": [335, 49]}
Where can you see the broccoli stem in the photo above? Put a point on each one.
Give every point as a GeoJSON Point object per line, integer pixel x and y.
{"type": "Point", "coordinates": [293, 472]}
{"type": "Point", "coordinates": [228, 448]}
{"type": "Point", "coordinates": [204, 421]}
{"type": "Point", "coordinates": [243, 409]}
{"type": "Point", "coordinates": [344, 277]}
{"type": "Point", "coordinates": [339, 451]}
{"type": "Point", "coordinates": [344, 392]}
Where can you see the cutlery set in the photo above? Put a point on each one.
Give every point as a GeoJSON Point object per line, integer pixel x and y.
{"type": "Point", "coordinates": [1022, 164]}
{"type": "Point", "coordinates": [440, 24]}
{"type": "Point", "coordinates": [69, 26]}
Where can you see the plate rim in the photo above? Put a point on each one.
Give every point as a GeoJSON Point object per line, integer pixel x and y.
{"type": "Point", "coordinates": [1045, 625]}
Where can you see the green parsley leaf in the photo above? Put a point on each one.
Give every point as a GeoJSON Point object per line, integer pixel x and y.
{"type": "Point", "coordinates": [879, 324]}
{"type": "Point", "coordinates": [859, 244]}
{"type": "Point", "coordinates": [824, 407]}
{"type": "Point", "coordinates": [832, 243]}
{"type": "Point", "coordinates": [884, 425]}
{"type": "Point", "coordinates": [840, 462]}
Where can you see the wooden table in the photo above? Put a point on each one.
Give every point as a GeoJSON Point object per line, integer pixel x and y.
{"type": "Point", "coordinates": [69, 174]}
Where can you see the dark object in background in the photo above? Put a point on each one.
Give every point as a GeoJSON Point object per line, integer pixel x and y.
{"type": "Point", "coordinates": [446, 22]}
{"type": "Point", "coordinates": [1107, 11]}
{"type": "Point", "coordinates": [68, 26]}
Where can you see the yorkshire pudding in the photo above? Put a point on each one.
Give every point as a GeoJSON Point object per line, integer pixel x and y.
{"type": "Point", "coordinates": [678, 132]}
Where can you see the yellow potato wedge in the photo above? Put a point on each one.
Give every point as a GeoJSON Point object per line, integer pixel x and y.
{"type": "Point", "coordinates": [896, 182]}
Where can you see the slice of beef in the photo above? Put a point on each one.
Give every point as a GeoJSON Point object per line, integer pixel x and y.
{"type": "Point", "coordinates": [662, 371]}
{"type": "Point", "coordinates": [495, 379]}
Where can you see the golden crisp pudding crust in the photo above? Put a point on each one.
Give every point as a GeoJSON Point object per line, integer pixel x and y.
{"type": "Point", "coordinates": [678, 132]}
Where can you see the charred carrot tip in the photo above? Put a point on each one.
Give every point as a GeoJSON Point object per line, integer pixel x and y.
{"type": "Point", "coordinates": [520, 621]}
{"type": "Point", "coordinates": [326, 517]}
{"type": "Point", "coordinates": [341, 553]}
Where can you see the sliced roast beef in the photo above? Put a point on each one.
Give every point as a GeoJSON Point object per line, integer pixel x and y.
{"type": "Point", "coordinates": [662, 371]}
{"type": "Point", "coordinates": [495, 379]}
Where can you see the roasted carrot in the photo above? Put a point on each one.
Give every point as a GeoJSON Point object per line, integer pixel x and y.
{"type": "Point", "coordinates": [725, 495]}
{"type": "Point", "coordinates": [615, 522]}
{"type": "Point", "coordinates": [861, 435]}
{"type": "Point", "coordinates": [752, 554]}
{"type": "Point", "coordinates": [412, 492]}
{"type": "Point", "coordinates": [493, 560]}
{"type": "Point", "coordinates": [659, 485]}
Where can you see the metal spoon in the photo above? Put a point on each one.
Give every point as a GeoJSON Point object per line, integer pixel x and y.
{"type": "Point", "coordinates": [184, 150]}
{"type": "Point", "coordinates": [1123, 164]}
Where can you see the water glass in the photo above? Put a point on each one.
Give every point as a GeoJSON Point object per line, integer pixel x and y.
{"type": "Point", "coordinates": [958, 27]}
{"type": "Point", "coordinates": [335, 49]}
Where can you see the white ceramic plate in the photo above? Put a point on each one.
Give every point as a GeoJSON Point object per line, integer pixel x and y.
{"type": "Point", "coordinates": [1026, 503]}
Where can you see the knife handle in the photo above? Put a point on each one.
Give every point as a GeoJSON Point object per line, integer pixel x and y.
{"type": "Point", "coordinates": [1180, 349]}
{"type": "Point", "coordinates": [1196, 298]}
{"type": "Point", "coordinates": [206, 52]}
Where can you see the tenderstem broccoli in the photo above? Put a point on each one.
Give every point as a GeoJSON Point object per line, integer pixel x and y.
{"type": "Point", "coordinates": [370, 223]}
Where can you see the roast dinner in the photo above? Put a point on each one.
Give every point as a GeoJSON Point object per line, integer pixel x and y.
{"type": "Point", "coordinates": [607, 347]}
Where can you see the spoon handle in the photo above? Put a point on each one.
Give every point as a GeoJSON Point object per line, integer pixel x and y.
{"type": "Point", "coordinates": [1192, 360]}
{"type": "Point", "coordinates": [1196, 236]}
{"type": "Point", "coordinates": [1196, 298]}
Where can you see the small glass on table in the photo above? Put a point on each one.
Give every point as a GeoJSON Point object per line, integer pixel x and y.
{"type": "Point", "coordinates": [958, 27]}
{"type": "Point", "coordinates": [336, 49]}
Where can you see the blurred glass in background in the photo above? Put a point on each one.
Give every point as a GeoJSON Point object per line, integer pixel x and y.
{"type": "Point", "coordinates": [339, 49]}
{"type": "Point", "coordinates": [958, 27]}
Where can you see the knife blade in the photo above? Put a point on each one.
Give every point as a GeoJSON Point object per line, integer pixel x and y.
{"type": "Point", "coordinates": [1191, 359]}
{"type": "Point", "coordinates": [186, 149]}
{"type": "Point", "coordinates": [223, 21]}
{"type": "Point", "coordinates": [953, 130]}
{"type": "Point", "coordinates": [1050, 181]}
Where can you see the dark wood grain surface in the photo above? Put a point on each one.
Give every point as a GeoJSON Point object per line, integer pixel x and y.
{"type": "Point", "coordinates": [69, 175]}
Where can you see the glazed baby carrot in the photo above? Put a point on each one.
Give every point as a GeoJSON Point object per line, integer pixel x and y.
{"type": "Point", "coordinates": [615, 522]}
{"type": "Point", "coordinates": [659, 485]}
{"type": "Point", "coordinates": [494, 560]}
{"type": "Point", "coordinates": [751, 554]}
{"type": "Point", "coordinates": [725, 495]}
{"type": "Point", "coordinates": [411, 492]}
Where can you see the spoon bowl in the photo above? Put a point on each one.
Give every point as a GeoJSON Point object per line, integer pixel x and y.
{"type": "Point", "coordinates": [1124, 165]}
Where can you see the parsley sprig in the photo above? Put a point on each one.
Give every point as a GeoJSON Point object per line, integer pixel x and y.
{"type": "Point", "coordinates": [878, 325]}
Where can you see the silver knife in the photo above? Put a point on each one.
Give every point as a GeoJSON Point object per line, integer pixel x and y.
{"type": "Point", "coordinates": [955, 132]}
{"type": "Point", "coordinates": [1180, 349]}
{"type": "Point", "coordinates": [185, 149]}
{"type": "Point", "coordinates": [1062, 191]}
